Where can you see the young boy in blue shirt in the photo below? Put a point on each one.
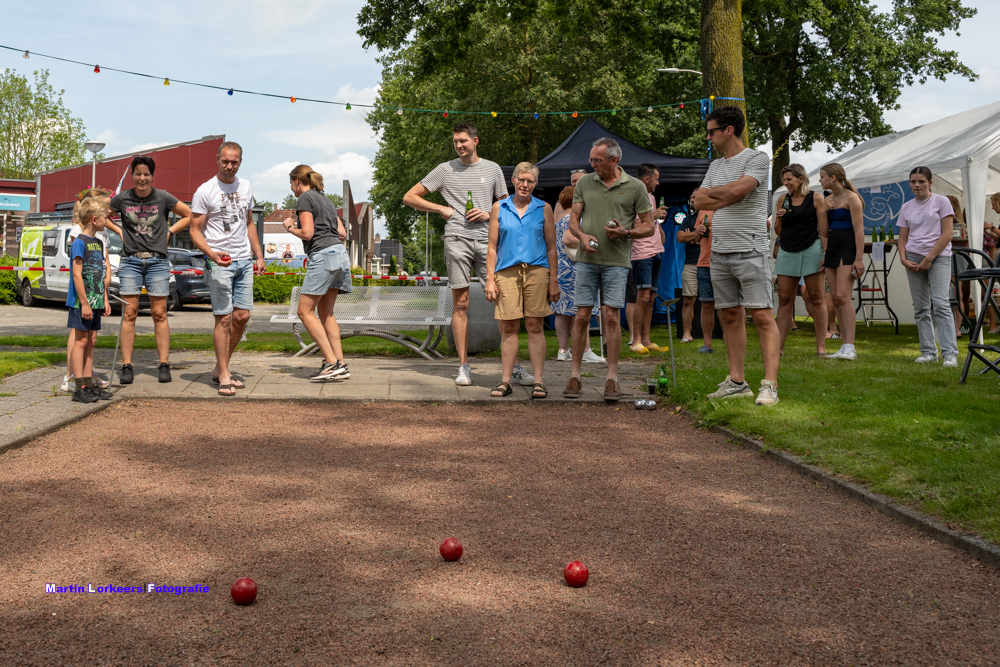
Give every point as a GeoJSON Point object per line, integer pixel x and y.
{"type": "Point", "coordinates": [88, 297]}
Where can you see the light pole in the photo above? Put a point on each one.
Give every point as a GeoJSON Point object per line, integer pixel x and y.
{"type": "Point", "coordinates": [94, 147]}
{"type": "Point", "coordinates": [675, 70]}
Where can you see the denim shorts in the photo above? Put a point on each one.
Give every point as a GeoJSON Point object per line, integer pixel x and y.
{"type": "Point", "coordinates": [328, 269]}
{"type": "Point", "coordinates": [647, 273]}
{"type": "Point", "coordinates": [742, 279]}
{"type": "Point", "coordinates": [609, 279]}
{"type": "Point", "coordinates": [231, 286]}
{"type": "Point", "coordinates": [152, 273]}
{"type": "Point", "coordinates": [77, 322]}
{"type": "Point", "coordinates": [705, 292]}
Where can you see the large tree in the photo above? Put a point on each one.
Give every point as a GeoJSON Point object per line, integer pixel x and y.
{"type": "Point", "coordinates": [826, 70]}
{"type": "Point", "coordinates": [545, 57]}
{"type": "Point", "coordinates": [37, 131]}
{"type": "Point", "coordinates": [722, 53]}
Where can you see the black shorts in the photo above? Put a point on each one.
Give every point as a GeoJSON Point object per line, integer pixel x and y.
{"type": "Point", "coordinates": [841, 248]}
{"type": "Point", "coordinates": [631, 292]}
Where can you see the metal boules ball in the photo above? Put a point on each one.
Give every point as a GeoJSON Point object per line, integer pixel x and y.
{"type": "Point", "coordinates": [640, 404]}
{"type": "Point", "coordinates": [650, 404]}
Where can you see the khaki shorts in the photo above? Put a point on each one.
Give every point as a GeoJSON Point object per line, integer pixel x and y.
{"type": "Point", "coordinates": [742, 279]}
{"type": "Point", "coordinates": [461, 256]}
{"type": "Point", "coordinates": [689, 280]}
{"type": "Point", "coordinates": [524, 292]}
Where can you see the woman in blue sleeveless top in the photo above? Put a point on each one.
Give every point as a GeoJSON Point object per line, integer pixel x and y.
{"type": "Point", "coordinates": [845, 232]}
{"type": "Point", "coordinates": [521, 276]}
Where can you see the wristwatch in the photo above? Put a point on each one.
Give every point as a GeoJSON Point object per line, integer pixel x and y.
{"type": "Point", "coordinates": [629, 232]}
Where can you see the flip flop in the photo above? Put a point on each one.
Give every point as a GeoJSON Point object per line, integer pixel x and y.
{"type": "Point", "coordinates": [224, 387]}
{"type": "Point", "coordinates": [237, 384]}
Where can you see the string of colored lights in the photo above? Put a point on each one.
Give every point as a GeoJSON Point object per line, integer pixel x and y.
{"type": "Point", "coordinates": [347, 105]}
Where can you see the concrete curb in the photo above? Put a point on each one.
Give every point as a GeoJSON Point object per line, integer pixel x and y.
{"type": "Point", "coordinates": [24, 439]}
{"type": "Point", "coordinates": [971, 544]}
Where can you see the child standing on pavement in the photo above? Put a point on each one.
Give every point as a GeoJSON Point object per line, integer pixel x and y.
{"type": "Point", "coordinates": [88, 297]}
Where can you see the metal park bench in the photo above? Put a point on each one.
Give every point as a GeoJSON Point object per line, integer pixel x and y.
{"type": "Point", "coordinates": [366, 310]}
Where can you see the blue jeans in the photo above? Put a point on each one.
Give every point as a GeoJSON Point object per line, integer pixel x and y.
{"type": "Point", "coordinates": [609, 279]}
{"type": "Point", "coordinates": [231, 286]}
{"type": "Point", "coordinates": [153, 273]}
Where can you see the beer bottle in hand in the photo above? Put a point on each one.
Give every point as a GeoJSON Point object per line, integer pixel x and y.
{"type": "Point", "coordinates": [468, 203]}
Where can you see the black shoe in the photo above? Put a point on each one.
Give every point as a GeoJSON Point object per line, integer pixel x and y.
{"type": "Point", "coordinates": [84, 395]}
{"type": "Point", "coordinates": [126, 375]}
{"type": "Point", "coordinates": [325, 372]}
{"type": "Point", "coordinates": [100, 394]}
{"type": "Point", "coordinates": [165, 372]}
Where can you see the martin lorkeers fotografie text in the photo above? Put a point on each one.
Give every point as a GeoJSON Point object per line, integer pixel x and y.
{"type": "Point", "coordinates": [148, 588]}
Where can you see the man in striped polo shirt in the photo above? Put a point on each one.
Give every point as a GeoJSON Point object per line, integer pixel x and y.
{"type": "Point", "coordinates": [466, 233]}
{"type": "Point", "coordinates": [735, 187]}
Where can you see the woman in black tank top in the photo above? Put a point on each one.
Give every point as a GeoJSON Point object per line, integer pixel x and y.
{"type": "Point", "coordinates": [797, 219]}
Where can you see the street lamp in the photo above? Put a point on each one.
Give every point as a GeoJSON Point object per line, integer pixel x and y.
{"type": "Point", "coordinates": [675, 70]}
{"type": "Point", "coordinates": [94, 147]}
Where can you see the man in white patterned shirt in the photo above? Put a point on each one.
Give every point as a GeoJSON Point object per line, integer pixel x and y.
{"type": "Point", "coordinates": [735, 187]}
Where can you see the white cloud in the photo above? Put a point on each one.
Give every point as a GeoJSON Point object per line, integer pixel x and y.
{"type": "Point", "coordinates": [342, 130]}
{"type": "Point", "coordinates": [146, 147]}
{"type": "Point", "coordinates": [272, 183]}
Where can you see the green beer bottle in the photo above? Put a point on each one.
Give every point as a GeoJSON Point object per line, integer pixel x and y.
{"type": "Point", "coordinates": [882, 234]}
{"type": "Point", "coordinates": [705, 222]}
{"type": "Point", "coordinates": [663, 203]}
{"type": "Point", "coordinates": [787, 205]}
{"type": "Point", "coordinates": [468, 203]}
{"type": "Point", "coordinates": [890, 233]}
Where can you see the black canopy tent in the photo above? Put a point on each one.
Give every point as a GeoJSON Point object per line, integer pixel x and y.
{"type": "Point", "coordinates": [678, 175]}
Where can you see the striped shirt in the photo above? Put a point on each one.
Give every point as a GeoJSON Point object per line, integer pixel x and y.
{"type": "Point", "coordinates": [741, 226]}
{"type": "Point", "coordinates": [454, 179]}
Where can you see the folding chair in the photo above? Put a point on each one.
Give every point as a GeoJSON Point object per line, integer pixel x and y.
{"type": "Point", "coordinates": [987, 277]}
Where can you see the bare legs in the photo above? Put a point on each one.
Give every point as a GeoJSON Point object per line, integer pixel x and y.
{"type": "Point", "coordinates": [83, 355]}
{"type": "Point", "coordinates": [813, 296]}
{"type": "Point", "coordinates": [460, 322]}
{"type": "Point", "coordinates": [636, 323]}
{"type": "Point", "coordinates": [564, 330]}
{"type": "Point", "coordinates": [841, 283]}
{"type": "Point", "coordinates": [226, 335]}
{"type": "Point", "coordinates": [734, 325]}
{"type": "Point", "coordinates": [324, 329]}
{"type": "Point", "coordinates": [707, 321]}
{"type": "Point", "coordinates": [161, 327]}
{"type": "Point", "coordinates": [687, 315]}
{"type": "Point", "coordinates": [611, 319]}
{"type": "Point", "coordinates": [630, 318]}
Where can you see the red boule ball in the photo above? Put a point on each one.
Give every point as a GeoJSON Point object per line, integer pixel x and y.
{"type": "Point", "coordinates": [576, 574]}
{"type": "Point", "coordinates": [244, 590]}
{"type": "Point", "coordinates": [451, 549]}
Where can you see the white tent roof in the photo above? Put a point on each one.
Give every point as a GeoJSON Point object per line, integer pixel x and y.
{"type": "Point", "coordinates": [945, 145]}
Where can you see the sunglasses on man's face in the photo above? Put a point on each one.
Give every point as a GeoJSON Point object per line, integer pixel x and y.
{"type": "Point", "coordinates": [713, 130]}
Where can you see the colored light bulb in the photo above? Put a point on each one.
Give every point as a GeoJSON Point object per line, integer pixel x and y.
{"type": "Point", "coordinates": [614, 112]}
{"type": "Point", "coordinates": [682, 105]}
{"type": "Point", "coordinates": [574, 114]}
{"type": "Point", "coordinates": [25, 55]}
{"type": "Point", "coordinates": [536, 115]}
{"type": "Point", "coordinates": [445, 114]}
{"type": "Point", "coordinates": [166, 82]}
{"type": "Point", "coordinates": [348, 106]}
{"type": "Point", "coordinates": [650, 109]}
{"type": "Point", "coordinates": [230, 92]}
{"type": "Point", "coordinates": [293, 100]}
{"type": "Point", "coordinates": [711, 97]}
{"type": "Point", "coordinates": [97, 69]}
{"type": "Point", "coordinates": [493, 113]}
{"type": "Point", "coordinates": [399, 111]}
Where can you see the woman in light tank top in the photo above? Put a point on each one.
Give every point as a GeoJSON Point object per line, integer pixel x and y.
{"type": "Point", "coordinates": [845, 245]}
{"type": "Point", "coordinates": [925, 233]}
{"type": "Point", "coordinates": [800, 254]}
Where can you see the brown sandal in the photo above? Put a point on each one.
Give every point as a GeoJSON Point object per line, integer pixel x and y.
{"type": "Point", "coordinates": [226, 388]}
{"type": "Point", "coordinates": [539, 391]}
{"type": "Point", "coordinates": [503, 388]}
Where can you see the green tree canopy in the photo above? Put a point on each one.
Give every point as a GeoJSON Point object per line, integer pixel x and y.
{"type": "Point", "coordinates": [289, 203]}
{"type": "Point", "coordinates": [37, 132]}
{"type": "Point", "coordinates": [826, 70]}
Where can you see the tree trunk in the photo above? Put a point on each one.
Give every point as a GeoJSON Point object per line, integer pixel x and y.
{"type": "Point", "coordinates": [722, 53]}
{"type": "Point", "coordinates": [779, 144]}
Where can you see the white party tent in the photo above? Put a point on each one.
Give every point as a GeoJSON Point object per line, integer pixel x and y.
{"type": "Point", "coordinates": [962, 151]}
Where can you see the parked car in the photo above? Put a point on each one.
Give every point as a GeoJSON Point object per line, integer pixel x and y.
{"type": "Point", "coordinates": [191, 285]}
{"type": "Point", "coordinates": [46, 250]}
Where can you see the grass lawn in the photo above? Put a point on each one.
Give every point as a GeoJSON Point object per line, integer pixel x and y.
{"type": "Point", "coordinates": [12, 363]}
{"type": "Point", "coordinates": [911, 431]}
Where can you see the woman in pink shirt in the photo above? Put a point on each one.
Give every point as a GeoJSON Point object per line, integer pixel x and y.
{"type": "Point", "coordinates": [925, 233]}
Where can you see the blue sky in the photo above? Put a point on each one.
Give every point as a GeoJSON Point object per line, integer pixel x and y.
{"type": "Point", "coordinates": [307, 50]}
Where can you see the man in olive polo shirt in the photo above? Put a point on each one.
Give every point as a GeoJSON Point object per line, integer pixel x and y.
{"type": "Point", "coordinates": [609, 194]}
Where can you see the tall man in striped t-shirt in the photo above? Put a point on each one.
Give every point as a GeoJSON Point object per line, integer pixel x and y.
{"type": "Point", "coordinates": [466, 233]}
{"type": "Point", "coordinates": [735, 187]}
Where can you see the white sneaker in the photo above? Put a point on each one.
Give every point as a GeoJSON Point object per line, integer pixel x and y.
{"type": "Point", "coordinates": [564, 355]}
{"type": "Point", "coordinates": [950, 361]}
{"type": "Point", "coordinates": [768, 393]}
{"type": "Point", "coordinates": [592, 357]}
{"type": "Point", "coordinates": [730, 389]}
{"type": "Point", "coordinates": [464, 378]}
{"type": "Point", "coordinates": [846, 352]}
{"type": "Point", "coordinates": [68, 384]}
{"type": "Point", "coordinates": [926, 359]}
{"type": "Point", "coordinates": [521, 376]}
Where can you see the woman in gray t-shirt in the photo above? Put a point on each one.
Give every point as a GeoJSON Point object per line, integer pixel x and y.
{"type": "Point", "coordinates": [328, 271]}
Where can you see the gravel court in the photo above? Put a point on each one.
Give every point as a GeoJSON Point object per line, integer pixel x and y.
{"type": "Point", "coordinates": [700, 552]}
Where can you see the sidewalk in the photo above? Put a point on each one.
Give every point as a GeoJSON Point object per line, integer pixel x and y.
{"type": "Point", "coordinates": [36, 409]}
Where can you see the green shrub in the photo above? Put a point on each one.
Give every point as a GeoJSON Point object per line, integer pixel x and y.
{"type": "Point", "coordinates": [8, 281]}
{"type": "Point", "coordinates": [276, 289]}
